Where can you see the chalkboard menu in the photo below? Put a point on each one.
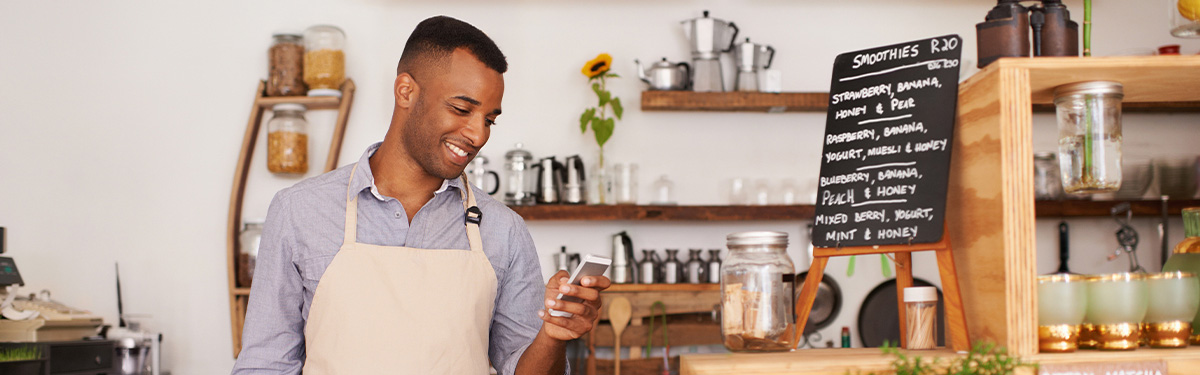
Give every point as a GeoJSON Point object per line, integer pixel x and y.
{"type": "Point", "coordinates": [886, 156]}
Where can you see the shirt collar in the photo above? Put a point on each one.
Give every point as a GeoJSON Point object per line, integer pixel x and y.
{"type": "Point", "coordinates": [365, 180]}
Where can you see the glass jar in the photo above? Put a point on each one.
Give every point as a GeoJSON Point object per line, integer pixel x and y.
{"type": "Point", "coordinates": [664, 191]}
{"type": "Point", "coordinates": [1047, 185]}
{"type": "Point", "coordinates": [248, 242]}
{"type": "Point", "coordinates": [324, 61]}
{"type": "Point", "coordinates": [625, 183]}
{"type": "Point", "coordinates": [1089, 136]}
{"type": "Point", "coordinates": [757, 306]}
{"type": "Point", "coordinates": [287, 140]}
{"type": "Point", "coordinates": [920, 313]}
{"type": "Point", "coordinates": [1186, 256]}
{"type": "Point", "coordinates": [285, 63]}
{"type": "Point", "coordinates": [1184, 18]}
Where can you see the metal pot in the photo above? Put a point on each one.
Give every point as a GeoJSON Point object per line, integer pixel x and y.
{"type": "Point", "coordinates": [666, 75]}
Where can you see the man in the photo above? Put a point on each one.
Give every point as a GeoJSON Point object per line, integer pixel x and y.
{"type": "Point", "coordinates": [395, 264]}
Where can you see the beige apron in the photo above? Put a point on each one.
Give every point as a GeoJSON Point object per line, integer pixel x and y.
{"type": "Point", "coordinates": [401, 310]}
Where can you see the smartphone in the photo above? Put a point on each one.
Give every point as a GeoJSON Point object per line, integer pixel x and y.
{"type": "Point", "coordinates": [591, 265]}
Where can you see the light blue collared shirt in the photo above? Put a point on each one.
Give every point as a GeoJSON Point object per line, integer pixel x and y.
{"type": "Point", "coordinates": [304, 230]}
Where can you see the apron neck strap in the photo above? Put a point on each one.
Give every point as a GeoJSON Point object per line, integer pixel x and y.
{"type": "Point", "coordinates": [473, 214]}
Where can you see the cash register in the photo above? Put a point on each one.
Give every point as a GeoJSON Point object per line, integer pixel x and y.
{"type": "Point", "coordinates": [54, 331]}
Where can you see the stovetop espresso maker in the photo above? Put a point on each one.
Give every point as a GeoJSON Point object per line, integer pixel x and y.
{"type": "Point", "coordinates": [708, 38]}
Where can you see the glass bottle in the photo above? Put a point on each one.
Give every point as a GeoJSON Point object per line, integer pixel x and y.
{"type": "Point", "coordinates": [672, 268]}
{"type": "Point", "coordinates": [1047, 183]}
{"type": "Point", "coordinates": [248, 242]}
{"type": "Point", "coordinates": [694, 268]}
{"type": "Point", "coordinates": [664, 191]}
{"type": "Point", "coordinates": [287, 140]}
{"type": "Point", "coordinates": [1089, 136]}
{"type": "Point", "coordinates": [714, 266]}
{"type": "Point", "coordinates": [1186, 256]}
{"type": "Point", "coordinates": [757, 306]}
{"type": "Point", "coordinates": [285, 76]}
{"type": "Point", "coordinates": [1184, 18]}
{"type": "Point", "coordinates": [324, 61]}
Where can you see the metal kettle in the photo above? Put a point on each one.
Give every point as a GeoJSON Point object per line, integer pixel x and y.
{"type": "Point", "coordinates": [549, 180]}
{"type": "Point", "coordinates": [574, 182]}
{"type": "Point", "coordinates": [623, 270]}
{"type": "Point", "coordinates": [666, 75]}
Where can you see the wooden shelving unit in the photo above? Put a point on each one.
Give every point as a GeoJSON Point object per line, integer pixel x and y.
{"type": "Point", "coordinates": [1070, 208]}
{"type": "Point", "coordinates": [992, 212]}
{"type": "Point", "coordinates": [1066, 208]}
{"type": "Point", "coordinates": [239, 295]}
{"type": "Point", "coordinates": [819, 102]}
{"type": "Point", "coordinates": [665, 213]}
{"type": "Point", "coordinates": [735, 101]}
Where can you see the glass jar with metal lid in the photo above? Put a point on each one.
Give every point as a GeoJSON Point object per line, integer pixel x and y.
{"type": "Point", "coordinates": [324, 61]}
{"type": "Point", "coordinates": [756, 293]}
{"type": "Point", "coordinates": [287, 140]}
{"type": "Point", "coordinates": [285, 76]}
{"type": "Point", "coordinates": [1089, 136]}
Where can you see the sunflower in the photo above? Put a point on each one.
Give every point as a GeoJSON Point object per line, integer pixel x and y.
{"type": "Point", "coordinates": [597, 66]}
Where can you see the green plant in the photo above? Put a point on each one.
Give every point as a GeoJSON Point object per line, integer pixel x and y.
{"type": "Point", "coordinates": [597, 71]}
{"type": "Point", "coordinates": [983, 359]}
{"type": "Point", "coordinates": [20, 353]}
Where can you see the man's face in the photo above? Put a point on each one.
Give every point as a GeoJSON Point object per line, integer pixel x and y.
{"type": "Point", "coordinates": [452, 117]}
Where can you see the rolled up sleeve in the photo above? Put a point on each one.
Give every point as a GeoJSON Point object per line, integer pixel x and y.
{"type": "Point", "coordinates": [273, 333]}
{"type": "Point", "coordinates": [515, 323]}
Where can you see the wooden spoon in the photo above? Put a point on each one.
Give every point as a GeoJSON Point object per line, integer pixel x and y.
{"type": "Point", "coordinates": [619, 311]}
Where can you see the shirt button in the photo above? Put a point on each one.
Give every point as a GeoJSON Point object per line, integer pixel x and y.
{"type": "Point", "coordinates": [398, 214]}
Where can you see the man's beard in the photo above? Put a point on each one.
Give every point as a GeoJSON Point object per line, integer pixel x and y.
{"type": "Point", "coordinates": [423, 145]}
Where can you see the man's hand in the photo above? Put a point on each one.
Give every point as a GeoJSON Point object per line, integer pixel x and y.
{"type": "Point", "coordinates": [585, 314]}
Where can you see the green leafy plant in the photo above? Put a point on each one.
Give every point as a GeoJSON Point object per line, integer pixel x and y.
{"type": "Point", "coordinates": [597, 71]}
{"type": "Point", "coordinates": [20, 353]}
{"type": "Point", "coordinates": [983, 359]}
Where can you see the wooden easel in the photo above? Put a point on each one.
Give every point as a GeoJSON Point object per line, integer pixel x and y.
{"type": "Point", "coordinates": [955, 318]}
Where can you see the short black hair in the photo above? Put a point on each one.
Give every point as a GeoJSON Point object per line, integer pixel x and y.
{"type": "Point", "coordinates": [436, 38]}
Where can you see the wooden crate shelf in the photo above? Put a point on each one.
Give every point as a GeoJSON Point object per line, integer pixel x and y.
{"type": "Point", "coordinates": [992, 213]}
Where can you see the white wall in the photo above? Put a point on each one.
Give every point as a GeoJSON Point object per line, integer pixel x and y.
{"type": "Point", "coordinates": [120, 123]}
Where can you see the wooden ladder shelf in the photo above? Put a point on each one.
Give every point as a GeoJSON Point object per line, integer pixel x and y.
{"type": "Point", "coordinates": [238, 296]}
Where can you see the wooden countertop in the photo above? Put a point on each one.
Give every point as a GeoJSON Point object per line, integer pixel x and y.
{"type": "Point", "coordinates": [843, 361]}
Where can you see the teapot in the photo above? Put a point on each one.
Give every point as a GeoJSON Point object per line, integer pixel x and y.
{"type": "Point", "coordinates": [666, 75]}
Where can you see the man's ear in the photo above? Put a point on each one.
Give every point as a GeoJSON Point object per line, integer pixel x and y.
{"type": "Point", "coordinates": [406, 90]}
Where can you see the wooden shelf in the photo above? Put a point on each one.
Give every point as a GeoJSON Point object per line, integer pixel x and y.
{"type": "Point", "coordinates": [1076, 208]}
{"type": "Point", "coordinates": [1142, 107]}
{"type": "Point", "coordinates": [621, 288]}
{"type": "Point", "coordinates": [665, 213]}
{"type": "Point", "coordinates": [735, 101]}
{"type": "Point", "coordinates": [864, 360]}
{"type": "Point", "coordinates": [310, 102]}
{"type": "Point", "coordinates": [1066, 208]}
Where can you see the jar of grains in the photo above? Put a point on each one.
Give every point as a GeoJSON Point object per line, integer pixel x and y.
{"type": "Point", "coordinates": [287, 140]}
{"type": "Point", "coordinates": [756, 293]}
{"type": "Point", "coordinates": [286, 66]}
{"type": "Point", "coordinates": [324, 62]}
